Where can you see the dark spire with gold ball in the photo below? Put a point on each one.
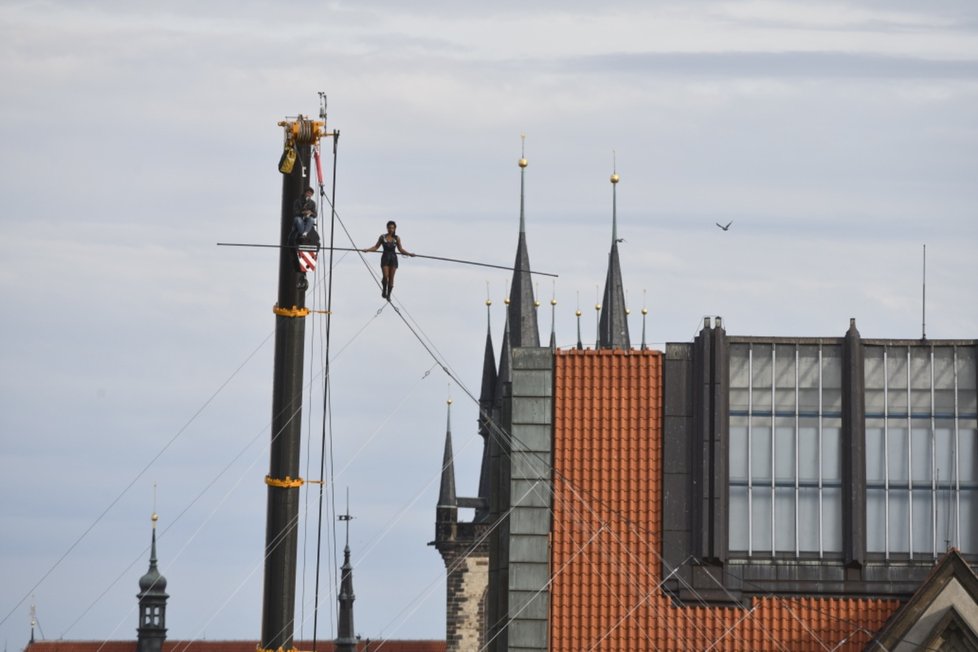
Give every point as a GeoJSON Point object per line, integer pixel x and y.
{"type": "Point", "coordinates": [613, 323]}
{"type": "Point", "coordinates": [151, 632]}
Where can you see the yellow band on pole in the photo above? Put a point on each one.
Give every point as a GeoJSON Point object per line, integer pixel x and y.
{"type": "Point", "coordinates": [285, 483]}
{"type": "Point", "coordinates": [294, 311]}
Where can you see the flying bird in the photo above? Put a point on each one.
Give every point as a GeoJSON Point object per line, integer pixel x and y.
{"type": "Point", "coordinates": [724, 227]}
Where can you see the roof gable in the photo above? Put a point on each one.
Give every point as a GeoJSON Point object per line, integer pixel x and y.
{"type": "Point", "coordinates": [945, 607]}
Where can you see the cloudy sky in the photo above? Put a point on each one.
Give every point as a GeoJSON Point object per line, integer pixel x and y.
{"type": "Point", "coordinates": [839, 137]}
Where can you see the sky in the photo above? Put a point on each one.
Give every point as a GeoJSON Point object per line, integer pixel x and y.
{"type": "Point", "coordinates": [839, 138]}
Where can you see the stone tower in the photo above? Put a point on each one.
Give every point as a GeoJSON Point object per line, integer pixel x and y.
{"type": "Point", "coordinates": [463, 548]}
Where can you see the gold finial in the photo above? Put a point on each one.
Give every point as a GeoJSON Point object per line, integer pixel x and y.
{"type": "Point", "coordinates": [614, 167]}
{"type": "Point", "coordinates": [488, 302]}
{"type": "Point", "coordinates": [523, 161]}
{"type": "Point", "coordinates": [506, 301]}
{"type": "Point", "coordinates": [615, 178]}
{"type": "Point", "coordinates": [597, 306]}
{"type": "Point", "coordinates": [645, 311]}
{"type": "Point", "coordinates": [553, 302]}
{"type": "Point", "coordinates": [155, 517]}
{"type": "Point", "coordinates": [449, 401]}
{"type": "Point", "coordinates": [536, 303]}
{"type": "Point", "coordinates": [578, 312]}
{"type": "Point", "coordinates": [628, 311]}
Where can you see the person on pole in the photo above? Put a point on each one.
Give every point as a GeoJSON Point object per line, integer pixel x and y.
{"type": "Point", "coordinates": [391, 243]}
{"type": "Point", "coordinates": [303, 216]}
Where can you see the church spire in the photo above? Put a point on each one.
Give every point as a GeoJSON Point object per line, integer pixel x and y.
{"type": "Point", "coordinates": [486, 401]}
{"type": "Point", "coordinates": [553, 322]}
{"type": "Point", "coordinates": [447, 498]}
{"type": "Point", "coordinates": [152, 604]}
{"type": "Point", "coordinates": [346, 640]}
{"type": "Point", "coordinates": [613, 322]}
{"type": "Point", "coordinates": [505, 363]}
{"type": "Point", "coordinates": [522, 314]}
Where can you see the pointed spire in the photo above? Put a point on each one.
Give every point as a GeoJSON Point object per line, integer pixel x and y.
{"type": "Point", "coordinates": [346, 640]}
{"type": "Point", "coordinates": [613, 322]}
{"type": "Point", "coordinates": [447, 497]}
{"type": "Point", "coordinates": [152, 582]}
{"type": "Point", "coordinates": [505, 363]}
{"type": "Point", "coordinates": [488, 375]}
{"type": "Point", "coordinates": [614, 200]}
{"type": "Point", "coordinates": [553, 319]}
{"type": "Point", "coordinates": [523, 163]}
{"type": "Point", "coordinates": [580, 345]}
{"type": "Point", "coordinates": [597, 320]}
{"type": "Point", "coordinates": [522, 315]}
{"type": "Point", "coordinates": [645, 312]}
{"type": "Point", "coordinates": [151, 631]}
{"type": "Point", "coordinates": [486, 402]}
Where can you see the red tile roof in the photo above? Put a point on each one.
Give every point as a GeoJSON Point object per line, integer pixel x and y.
{"type": "Point", "coordinates": [230, 646]}
{"type": "Point", "coordinates": [607, 517]}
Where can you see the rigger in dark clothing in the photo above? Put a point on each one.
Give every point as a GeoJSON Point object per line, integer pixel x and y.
{"type": "Point", "coordinates": [304, 215]}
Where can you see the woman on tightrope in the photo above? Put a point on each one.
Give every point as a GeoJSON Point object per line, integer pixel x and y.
{"type": "Point", "coordinates": [391, 243]}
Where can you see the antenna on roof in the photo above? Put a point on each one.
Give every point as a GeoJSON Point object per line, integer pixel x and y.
{"type": "Point", "coordinates": [923, 300]}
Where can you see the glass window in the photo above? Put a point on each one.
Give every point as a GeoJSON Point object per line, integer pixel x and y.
{"type": "Point", "coordinates": [920, 449]}
{"type": "Point", "coordinates": [785, 464]}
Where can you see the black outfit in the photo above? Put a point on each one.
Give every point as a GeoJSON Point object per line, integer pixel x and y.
{"type": "Point", "coordinates": [389, 257]}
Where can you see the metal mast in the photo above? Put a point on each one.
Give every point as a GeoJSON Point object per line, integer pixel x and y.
{"type": "Point", "coordinates": [281, 533]}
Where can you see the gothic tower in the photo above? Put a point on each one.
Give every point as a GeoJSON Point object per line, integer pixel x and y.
{"type": "Point", "coordinates": [463, 549]}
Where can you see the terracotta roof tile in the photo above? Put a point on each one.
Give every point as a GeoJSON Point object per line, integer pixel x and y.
{"type": "Point", "coordinates": [607, 517]}
{"type": "Point", "coordinates": [229, 646]}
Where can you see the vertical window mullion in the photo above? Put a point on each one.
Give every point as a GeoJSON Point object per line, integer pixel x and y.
{"type": "Point", "coordinates": [774, 451]}
{"type": "Point", "coordinates": [933, 460]}
{"type": "Point", "coordinates": [797, 486]}
{"type": "Point", "coordinates": [886, 454]}
{"type": "Point", "coordinates": [750, 450]}
{"type": "Point", "coordinates": [957, 476]}
{"type": "Point", "coordinates": [909, 460]}
{"type": "Point", "coordinates": [821, 548]}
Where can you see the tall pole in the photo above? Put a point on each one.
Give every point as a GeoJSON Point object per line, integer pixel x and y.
{"type": "Point", "coordinates": [281, 530]}
{"type": "Point", "coordinates": [923, 300]}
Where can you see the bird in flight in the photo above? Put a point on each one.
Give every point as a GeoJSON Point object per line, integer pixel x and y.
{"type": "Point", "coordinates": [724, 227]}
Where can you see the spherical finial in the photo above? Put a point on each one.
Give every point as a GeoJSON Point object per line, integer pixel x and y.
{"type": "Point", "coordinates": [536, 303]}
{"type": "Point", "coordinates": [615, 178]}
{"type": "Point", "coordinates": [597, 306]}
{"type": "Point", "coordinates": [506, 301]}
{"type": "Point", "coordinates": [553, 302]}
{"type": "Point", "coordinates": [155, 517]}
{"type": "Point", "coordinates": [645, 311]}
{"type": "Point", "coordinates": [578, 312]}
{"type": "Point", "coordinates": [628, 311]}
{"type": "Point", "coordinates": [524, 162]}
{"type": "Point", "coordinates": [488, 302]}
{"type": "Point", "coordinates": [449, 401]}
